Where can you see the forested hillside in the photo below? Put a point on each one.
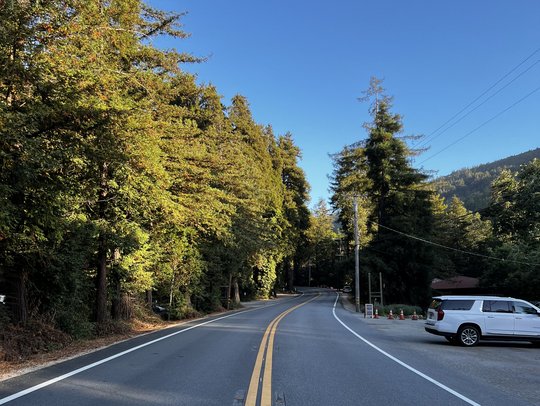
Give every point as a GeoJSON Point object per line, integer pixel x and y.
{"type": "Point", "coordinates": [472, 185]}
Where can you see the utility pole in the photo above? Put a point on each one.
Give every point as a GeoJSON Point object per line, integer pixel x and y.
{"type": "Point", "coordinates": [369, 286]}
{"type": "Point", "coordinates": [356, 257]}
{"type": "Point", "coordinates": [381, 288]}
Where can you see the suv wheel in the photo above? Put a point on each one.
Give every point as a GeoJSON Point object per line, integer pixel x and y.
{"type": "Point", "coordinates": [468, 336]}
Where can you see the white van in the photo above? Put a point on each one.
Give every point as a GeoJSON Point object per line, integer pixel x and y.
{"type": "Point", "coordinates": [467, 319]}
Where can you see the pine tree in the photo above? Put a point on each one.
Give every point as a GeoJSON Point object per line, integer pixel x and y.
{"type": "Point", "coordinates": [323, 240]}
{"type": "Point", "coordinates": [296, 213]}
{"type": "Point", "coordinates": [395, 197]}
{"type": "Point", "coordinates": [87, 90]}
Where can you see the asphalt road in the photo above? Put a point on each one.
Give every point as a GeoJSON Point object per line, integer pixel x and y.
{"type": "Point", "coordinates": [306, 350]}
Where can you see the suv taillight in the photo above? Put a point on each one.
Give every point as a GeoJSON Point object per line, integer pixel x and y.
{"type": "Point", "coordinates": [440, 314]}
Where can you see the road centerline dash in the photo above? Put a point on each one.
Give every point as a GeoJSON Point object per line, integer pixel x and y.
{"type": "Point", "coordinates": [265, 356]}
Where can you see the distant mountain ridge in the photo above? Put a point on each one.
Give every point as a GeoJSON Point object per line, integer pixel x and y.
{"type": "Point", "coordinates": [472, 185]}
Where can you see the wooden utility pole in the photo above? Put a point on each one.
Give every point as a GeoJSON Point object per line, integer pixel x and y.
{"type": "Point", "coordinates": [356, 257]}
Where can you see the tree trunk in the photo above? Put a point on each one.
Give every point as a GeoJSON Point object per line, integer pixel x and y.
{"type": "Point", "coordinates": [116, 304]}
{"type": "Point", "coordinates": [290, 276]}
{"type": "Point", "coordinates": [9, 87]}
{"type": "Point", "coordinates": [171, 291]}
{"type": "Point", "coordinates": [236, 292]}
{"type": "Point", "coordinates": [101, 277]}
{"type": "Point", "coordinates": [21, 312]}
{"type": "Point", "coordinates": [149, 299]}
{"type": "Point", "coordinates": [101, 282]}
{"type": "Point", "coordinates": [229, 292]}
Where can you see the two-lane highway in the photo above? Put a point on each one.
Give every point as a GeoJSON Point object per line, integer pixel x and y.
{"type": "Point", "coordinates": [306, 350]}
{"type": "Point", "coordinates": [205, 362]}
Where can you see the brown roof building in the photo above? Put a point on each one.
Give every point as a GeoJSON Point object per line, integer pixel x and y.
{"type": "Point", "coordinates": [457, 285]}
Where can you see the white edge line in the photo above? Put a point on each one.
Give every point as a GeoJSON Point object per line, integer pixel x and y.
{"type": "Point", "coordinates": [427, 378]}
{"type": "Point", "coordinates": [120, 354]}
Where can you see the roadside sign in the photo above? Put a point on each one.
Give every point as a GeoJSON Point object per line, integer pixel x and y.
{"type": "Point", "coordinates": [368, 311]}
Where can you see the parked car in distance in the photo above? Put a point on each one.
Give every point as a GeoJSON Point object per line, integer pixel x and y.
{"type": "Point", "coordinates": [468, 319]}
{"type": "Point", "coordinates": [347, 289]}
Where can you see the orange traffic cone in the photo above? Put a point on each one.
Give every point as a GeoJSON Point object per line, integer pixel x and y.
{"type": "Point", "coordinates": [376, 315]}
{"type": "Point", "coordinates": [390, 316]}
{"type": "Point", "coordinates": [401, 316]}
{"type": "Point", "coordinates": [414, 316]}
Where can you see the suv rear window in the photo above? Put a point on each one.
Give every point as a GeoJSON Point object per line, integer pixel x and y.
{"type": "Point", "coordinates": [457, 304]}
{"type": "Point", "coordinates": [450, 304]}
{"type": "Point", "coordinates": [435, 304]}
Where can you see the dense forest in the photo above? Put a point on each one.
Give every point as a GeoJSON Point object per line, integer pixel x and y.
{"type": "Point", "coordinates": [126, 183]}
{"type": "Point", "coordinates": [473, 185]}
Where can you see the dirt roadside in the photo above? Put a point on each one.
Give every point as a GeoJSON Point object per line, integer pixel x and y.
{"type": "Point", "coordinates": [76, 348]}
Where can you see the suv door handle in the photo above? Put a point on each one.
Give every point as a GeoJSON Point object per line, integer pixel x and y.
{"type": "Point", "coordinates": [491, 317]}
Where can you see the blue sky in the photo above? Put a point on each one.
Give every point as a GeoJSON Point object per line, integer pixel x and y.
{"type": "Point", "coordinates": [302, 64]}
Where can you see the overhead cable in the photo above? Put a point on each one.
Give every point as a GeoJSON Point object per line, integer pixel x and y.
{"type": "Point", "coordinates": [483, 93]}
{"type": "Point", "coordinates": [454, 249]}
{"type": "Point", "coordinates": [424, 142]}
{"type": "Point", "coordinates": [481, 125]}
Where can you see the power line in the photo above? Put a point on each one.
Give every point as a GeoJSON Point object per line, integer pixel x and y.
{"type": "Point", "coordinates": [481, 125]}
{"type": "Point", "coordinates": [452, 248]}
{"type": "Point", "coordinates": [485, 92]}
{"type": "Point", "coordinates": [424, 142]}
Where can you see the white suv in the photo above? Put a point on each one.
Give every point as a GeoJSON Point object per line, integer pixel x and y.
{"type": "Point", "coordinates": [467, 319]}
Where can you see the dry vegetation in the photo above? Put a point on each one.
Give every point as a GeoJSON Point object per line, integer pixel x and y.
{"type": "Point", "coordinates": [23, 349]}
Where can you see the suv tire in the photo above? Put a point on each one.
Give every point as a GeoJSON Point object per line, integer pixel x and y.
{"type": "Point", "coordinates": [468, 335]}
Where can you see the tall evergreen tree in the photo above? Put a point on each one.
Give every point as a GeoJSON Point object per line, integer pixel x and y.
{"type": "Point", "coordinates": [323, 242]}
{"type": "Point", "coordinates": [296, 213]}
{"type": "Point", "coordinates": [121, 175]}
{"type": "Point", "coordinates": [259, 221]}
{"type": "Point", "coordinates": [396, 201]}
{"type": "Point", "coordinates": [92, 89]}
{"type": "Point", "coordinates": [39, 144]}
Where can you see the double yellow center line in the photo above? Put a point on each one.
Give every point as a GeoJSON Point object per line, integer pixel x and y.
{"type": "Point", "coordinates": [267, 346]}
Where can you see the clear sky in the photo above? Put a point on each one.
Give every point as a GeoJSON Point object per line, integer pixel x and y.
{"type": "Point", "coordinates": [303, 63]}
